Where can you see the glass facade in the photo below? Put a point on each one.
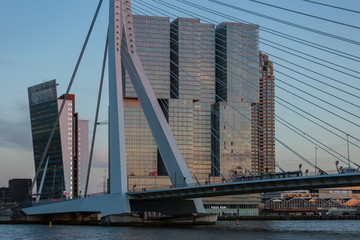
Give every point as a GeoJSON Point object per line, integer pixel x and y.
{"type": "Point", "coordinates": [187, 72]}
{"type": "Point", "coordinates": [43, 113]}
{"type": "Point", "coordinates": [68, 150]}
{"type": "Point", "coordinates": [193, 79]}
{"type": "Point", "coordinates": [209, 81]}
{"type": "Point", "coordinates": [237, 87]}
{"type": "Point", "coordinates": [141, 150]}
{"type": "Point", "coordinates": [152, 39]}
{"type": "Point", "coordinates": [152, 36]}
{"type": "Point", "coordinates": [237, 62]}
{"type": "Point", "coordinates": [231, 139]}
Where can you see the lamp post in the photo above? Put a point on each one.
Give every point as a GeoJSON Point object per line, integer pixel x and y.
{"type": "Point", "coordinates": [348, 150]}
{"type": "Point", "coordinates": [315, 159]}
{"type": "Point", "coordinates": [3, 197]}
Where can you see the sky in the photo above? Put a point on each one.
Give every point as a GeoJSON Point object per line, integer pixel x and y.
{"type": "Point", "coordinates": [40, 40]}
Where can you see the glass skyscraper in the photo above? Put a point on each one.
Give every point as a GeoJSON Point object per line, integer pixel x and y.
{"type": "Point", "coordinates": [68, 151]}
{"type": "Point", "coordinates": [152, 36]}
{"type": "Point", "coordinates": [237, 87]}
{"type": "Point", "coordinates": [180, 56]}
{"type": "Point", "coordinates": [206, 80]}
{"type": "Point", "coordinates": [43, 104]}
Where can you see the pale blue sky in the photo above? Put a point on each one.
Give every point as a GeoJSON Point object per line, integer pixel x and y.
{"type": "Point", "coordinates": [41, 39]}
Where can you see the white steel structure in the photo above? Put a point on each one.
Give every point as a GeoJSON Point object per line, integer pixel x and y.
{"type": "Point", "coordinates": [122, 50]}
{"type": "Point", "coordinates": [122, 47]}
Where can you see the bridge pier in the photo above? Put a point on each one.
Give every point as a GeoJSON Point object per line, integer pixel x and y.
{"type": "Point", "coordinates": [140, 219]}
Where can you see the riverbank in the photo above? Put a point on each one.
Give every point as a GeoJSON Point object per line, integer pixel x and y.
{"type": "Point", "coordinates": [287, 217]}
{"type": "Point", "coordinates": [14, 216]}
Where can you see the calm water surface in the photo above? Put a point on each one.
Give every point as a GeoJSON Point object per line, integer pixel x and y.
{"type": "Point", "coordinates": [246, 230]}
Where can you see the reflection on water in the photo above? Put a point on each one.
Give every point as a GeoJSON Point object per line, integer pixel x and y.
{"type": "Point", "coordinates": [222, 230]}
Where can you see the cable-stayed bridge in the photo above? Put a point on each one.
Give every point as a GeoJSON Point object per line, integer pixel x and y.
{"type": "Point", "coordinates": [122, 50]}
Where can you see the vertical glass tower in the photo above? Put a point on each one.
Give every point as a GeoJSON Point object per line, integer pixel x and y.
{"type": "Point", "coordinates": [68, 151]}
{"type": "Point", "coordinates": [237, 87]}
{"type": "Point", "coordinates": [43, 113]}
{"type": "Point", "coordinates": [193, 86]}
{"type": "Point", "coordinates": [179, 59]}
{"type": "Point", "coordinates": [206, 80]}
{"type": "Point", "coordinates": [152, 36]}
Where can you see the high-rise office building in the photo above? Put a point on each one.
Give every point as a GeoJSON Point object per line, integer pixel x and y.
{"type": "Point", "coordinates": [263, 119]}
{"type": "Point", "coordinates": [206, 80]}
{"type": "Point", "coordinates": [193, 91]}
{"type": "Point", "coordinates": [185, 87]}
{"type": "Point", "coordinates": [68, 150]}
{"type": "Point", "coordinates": [237, 87]}
{"type": "Point", "coordinates": [43, 113]}
{"type": "Point", "coordinates": [152, 36]}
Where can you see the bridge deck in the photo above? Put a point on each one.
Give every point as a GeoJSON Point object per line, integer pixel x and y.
{"type": "Point", "coordinates": [100, 203]}
{"type": "Point", "coordinates": [259, 186]}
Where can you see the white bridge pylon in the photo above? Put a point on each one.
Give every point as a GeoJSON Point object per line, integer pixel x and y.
{"type": "Point", "coordinates": [122, 49]}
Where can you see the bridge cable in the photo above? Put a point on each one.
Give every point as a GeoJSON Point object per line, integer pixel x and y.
{"type": "Point", "coordinates": [213, 154]}
{"type": "Point", "coordinates": [210, 21]}
{"type": "Point", "coordinates": [270, 31]}
{"type": "Point", "coordinates": [187, 12]}
{"type": "Point", "coordinates": [315, 141]}
{"type": "Point", "coordinates": [65, 97]}
{"type": "Point", "coordinates": [327, 84]}
{"type": "Point", "coordinates": [330, 86]}
{"type": "Point", "coordinates": [306, 14]}
{"type": "Point", "coordinates": [286, 22]}
{"type": "Point", "coordinates": [97, 112]}
{"type": "Point", "coordinates": [320, 120]}
{"type": "Point", "coordinates": [235, 129]}
{"type": "Point", "coordinates": [332, 6]}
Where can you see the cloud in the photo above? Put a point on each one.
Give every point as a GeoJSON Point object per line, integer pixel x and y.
{"type": "Point", "coordinates": [16, 134]}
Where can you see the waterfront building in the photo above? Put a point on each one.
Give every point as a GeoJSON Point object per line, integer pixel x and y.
{"type": "Point", "coordinates": [237, 88]}
{"type": "Point", "coordinates": [83, 158]}
{"type": "Point", "coordinates": [43, 113]}
{"type": "Point", "coordinates": [193, 92]}
{"type": "Point", "coordinates": [330, 201]}
{"type": "Point", "coordinates": [63, 173]}
{"type": "Point", "coordinates": [16, 192]}
{"type": "Point", "coordinates": [183, 85]}
{"type": "Point", "coordinates": [152, 36]}
{"type": "Point", "coordinates": [208, 83]}
{"type": "Point", "coordinates": [263, 120]}
{"type": "Point", "coordinates": [239, 205]}
{"type": "Point", "coordinates": [18, 189]}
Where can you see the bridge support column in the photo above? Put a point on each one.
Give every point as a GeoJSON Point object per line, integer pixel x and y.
{"type": "Point", "coordinates": [122, 50]}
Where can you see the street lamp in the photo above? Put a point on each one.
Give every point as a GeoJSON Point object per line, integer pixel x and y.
{"type": "Point", "coordinates": [347, 140]}
{"type": "Point", "coordinates": [315, 159]}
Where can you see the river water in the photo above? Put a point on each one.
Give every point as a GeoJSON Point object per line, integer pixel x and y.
{"type": "Point", "coordinates": [246, 230]}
